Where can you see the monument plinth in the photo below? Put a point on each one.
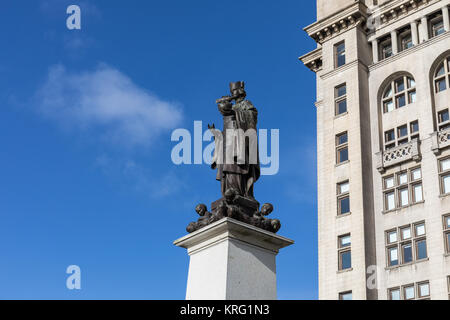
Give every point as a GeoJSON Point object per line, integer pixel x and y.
{"type": "Point", "coordinates": [232, 260]}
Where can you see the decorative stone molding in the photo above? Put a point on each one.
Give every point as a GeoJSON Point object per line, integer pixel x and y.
{"type": "Point", "coordinates": [394, 10]}
{"type": "Point", "coordinates": [440, 140]}
{"type": "Point", "coordinates": [402, 153]}
{"type": "Point", "coordinates": [313, 60]}
{"type": "Point", "coordinates": [339, 22]}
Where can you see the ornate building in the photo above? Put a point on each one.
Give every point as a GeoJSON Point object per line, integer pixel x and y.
{"type": "Point", "coordinates": [383, 141]}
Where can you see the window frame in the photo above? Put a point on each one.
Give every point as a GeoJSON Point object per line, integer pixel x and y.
{"type": "Point", "coordinates": [396, 94]}
{"type": "Point", "coordinates": [339, 99]}
{"type": "Point", "coordinates": [446, 230]}
{"type": "Point", "coordinates": [341, 196]}
{"type": "Point", "coordinates": [443, 174]}
{"type": "Point", "coordinates": [397, 188]}
{"type": "Point", "coordinates": [340, 147]}
{"type": "Point", "coordinates": [344, 250]}
{"type": "Point", "coordinates": [446, 76]}
{"type": "Point", "coordinates": [336, 54]}
{"type": "Point", "coordinates": [443, 124]}
{"type": "Point", "coordinates": [416, 290]}
{"type": "Point", "coordinates": [401, 242]}
{"type": "Point", "coordinates": [342, 294]}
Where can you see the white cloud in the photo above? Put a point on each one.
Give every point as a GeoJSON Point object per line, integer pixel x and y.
{"type": "Point", "coordinates": [108, 103]}
{"type": "Point", "coordinates": [140, 178]}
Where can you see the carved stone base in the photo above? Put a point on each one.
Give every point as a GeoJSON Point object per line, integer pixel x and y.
{"type": "Point", "coordinates": [231, 260]}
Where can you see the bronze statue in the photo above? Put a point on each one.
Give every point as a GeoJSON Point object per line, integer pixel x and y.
{"type": "Point", "coordinates": [236, 159]}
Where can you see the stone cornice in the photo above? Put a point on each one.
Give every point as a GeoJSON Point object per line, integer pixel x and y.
{"type": "Point", "coordinates": [337, 23]}
{"type": "Point", "coordinates": [313, 60]}
{"type": "Point", "coordinates": [393, 10]}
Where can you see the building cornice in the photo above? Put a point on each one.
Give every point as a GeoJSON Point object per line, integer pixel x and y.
{"type": "Point", "coordinates": [313, 60]}
{"type": "Point", "coordinates": [335, 24]}
{"type": "Point", "coordinates": [392, 11]}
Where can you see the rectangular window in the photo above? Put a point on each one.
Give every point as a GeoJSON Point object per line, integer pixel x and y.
{"type": "Point", "coordinates": [342, 147]}
{"type": "Point", "coordinates": [424, 290]}
{"type": "Point", "coordinates": [339, 51]}
{"type": "Point", "coordinates": [345, 295]}
{"type": "Point", "coordinates": [443, 119]}
{"type": "Point", "coordinates": [345, 252]}
{"type": "Point", "coordinates": [403, 189]}
{"type": "Point", "coordinates": [406, 244]}
{"type": "Point", "coordinates": [401, 135]}
{"type": "Point", "coordinates": [417, 291]}
{"type": "Point", "coordinates": [444, 176]}
{"type": "Point", "coordinates": [446, 220]}
{"type": "Point", "coordinates": [406, 40]}
{"type": "Point", "coordinates": [386, 49]}
{"type": "Point", "coordinates": [448, 287]}
{"type": "Point", "coordinates": [343, 198]}
{"type": "Point", "coordinates": [437, 27]}
{"type": "Point", "coordinates": [340, 99]}
{"type": "Point", "coordinates": [394, 294]}
{"type": "Point", "coordinates": [409, 292]}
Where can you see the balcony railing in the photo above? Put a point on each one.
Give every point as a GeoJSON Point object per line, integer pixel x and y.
{"type": "Point", "coordinates": [402, 153]}
{"type": "Point", "coordinates": [440, 140]}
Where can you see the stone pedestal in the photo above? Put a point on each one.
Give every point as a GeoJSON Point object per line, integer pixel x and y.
{"type": "Point", "coordinates": [231, 260]}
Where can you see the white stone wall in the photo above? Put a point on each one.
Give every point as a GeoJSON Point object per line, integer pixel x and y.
{"type": "Point", "coordinates": [365, 124]}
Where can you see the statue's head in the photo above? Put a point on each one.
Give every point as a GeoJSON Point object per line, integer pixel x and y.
{"type": "Point", "coordinates": [266, 209]}
{"type": "Point", "coordinates": [237, 89]}
{"type": "Point", "coordinates": [201, 209]}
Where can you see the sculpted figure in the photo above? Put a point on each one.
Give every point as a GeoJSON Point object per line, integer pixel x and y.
{"type": "Point", "coordinates": [237, 162]}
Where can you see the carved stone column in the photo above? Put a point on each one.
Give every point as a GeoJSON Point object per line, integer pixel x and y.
{"type": "Point", "coordinates": [445, 17]}
{"type": "Point", "coordinates": [394, 42]}
{"type": "Point", "coordinates": [414, 33]}
{"type": "Point", "coordinates": [375, 50]}
{"type": "Point", "coordinates": [425, 32]}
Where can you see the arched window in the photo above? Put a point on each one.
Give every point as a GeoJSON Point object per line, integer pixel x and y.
{"type": "Point", "coordinates": [399, 93]}
{"type": "Point", "coordinates": [442, 76]}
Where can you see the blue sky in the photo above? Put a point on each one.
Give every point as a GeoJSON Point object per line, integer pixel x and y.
{"type": "Point", "coordinates": [85, 124]}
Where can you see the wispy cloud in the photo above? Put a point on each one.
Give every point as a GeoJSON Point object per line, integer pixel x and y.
{"type": "Point", "coordinates": [108, 103]}
{"type": "Point", "coordinates": [140, 178]}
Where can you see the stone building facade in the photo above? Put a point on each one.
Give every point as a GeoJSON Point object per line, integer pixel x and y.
{"type": "Point", "coordinates": [383, 142]}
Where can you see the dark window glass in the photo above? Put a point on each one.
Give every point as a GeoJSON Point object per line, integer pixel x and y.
{"type": "Point", "coordinates": [421, 249]}
{"type": "Point", "coordinates": [448, 242]}
{"type": "Point", "coordinates": [343, 155]}
{"type": "Point", "coordinates": [342, 106]}
{"type": "Point", "coordinates": [342, 139]}
{"type": "Point", "coordinates": [399, 85]}
{"type": "Point", "coordinates": [390, 135]}
{"type": "Point", "coordinates": [414, 127]}
{"type": "Point", "coordinates": [407, 42]}
{"type": "Point", "coordinates": [402, 131]}
{"type": "Point", "coordinates": [401, 101]}
{"type": "Point", "coordinates": [443, 116]}
{"type": "Point", "coordinates": [407, 253]}
{"type": "Point", "coordinates": [341, 90]}
{"type": "Point", "coordinates": [344, 205]}
{"type": "Point", "coordinates": [340, 54]}
{"type": "Point", "coordinates": [440, 85]}
{"type": "Point", "coordinates": [346, 261]}
{"type": "Point", "coordinates": [438, 28]}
